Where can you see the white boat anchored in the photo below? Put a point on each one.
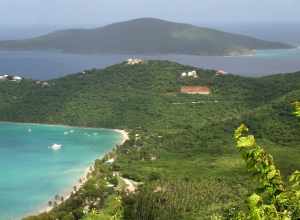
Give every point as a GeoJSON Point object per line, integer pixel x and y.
{"type": "Point", "coordinates": [56, 147]}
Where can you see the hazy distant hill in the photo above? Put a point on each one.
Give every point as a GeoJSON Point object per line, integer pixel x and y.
{"type": "Point", "coordinates": [146, 35]}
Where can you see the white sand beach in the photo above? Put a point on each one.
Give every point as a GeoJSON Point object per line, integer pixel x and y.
{"type": "Point", "coordinates": [125, 135]}
{"type": "Point", "coordinates": [83, 179]}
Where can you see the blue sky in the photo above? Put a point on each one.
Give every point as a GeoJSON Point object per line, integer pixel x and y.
{"type": "Point", "coordinates": [99, 12]}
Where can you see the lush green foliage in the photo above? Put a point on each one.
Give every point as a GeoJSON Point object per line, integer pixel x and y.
{"type": "Point", "coordinates": [297, 108]}
{"type": "Point", "coordinates": [178, 142]}
{"type": "Point", "coordinates": [177, 200]}
{"type": "Point", "coordinates": [112, 211]}
{"type": "Point", "coordinates": [274, 199]}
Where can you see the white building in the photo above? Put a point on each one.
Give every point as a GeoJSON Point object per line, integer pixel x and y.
{"type": "Point", "coordinates": [11, 78]}
{"type": "Point", "coordinates": [16, 78]}
{"type": "Point", "coordinates": [3, 77]}
{"type": "Point", "coordinates": [45, 84]}
{"type": "Point", "coordinates": [110, 161]}
{"type": "Point", "coordinates": [191, 74]}
{"type": "Point", "coordinates": [134, 61]}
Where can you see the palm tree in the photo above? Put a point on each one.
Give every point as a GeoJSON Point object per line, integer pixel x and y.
{"type": "Point", "coordinates": [57, 197]}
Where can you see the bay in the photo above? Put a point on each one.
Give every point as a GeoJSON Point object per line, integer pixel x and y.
{"type": "Point", "coordinates": [32, 173]}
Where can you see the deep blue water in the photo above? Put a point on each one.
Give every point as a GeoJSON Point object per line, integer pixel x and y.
{"type": "Point", "coordinates": [47, 65]}
{"type": "Point", "coordinates": [32, 173]}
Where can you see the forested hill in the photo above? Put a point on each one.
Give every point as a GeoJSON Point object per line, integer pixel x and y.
{"type": "Point", "coordinates": [181, 143]}
{"type": "Point", "coordinates": [145, 36]}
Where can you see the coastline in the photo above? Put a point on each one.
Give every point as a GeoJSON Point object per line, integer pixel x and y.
{"type": "Point", "coordinates": [124, 134]}
{"type": "Point", "coordinates": [58, 125]}
{"type": "Point", "coordinates": [83, 179]}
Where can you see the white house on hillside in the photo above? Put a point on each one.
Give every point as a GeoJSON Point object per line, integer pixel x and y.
{"type": "Point", "coordinates": [184, 74]}
{"type": "Point", "coordinates": [191, 74]}
{"type": "Point", "coordinates": [11, 78]}
{"type": "Point", "coordinates": [220, 72]}
{"type": "Point", "coordinates": [17, 78]}
{"type": "Point", "coordinates": [3, 77]}
{"type": "Point", "coordinates": [134, 61]}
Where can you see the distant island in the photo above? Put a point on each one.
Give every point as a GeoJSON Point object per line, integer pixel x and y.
{"type": "Point", "coordinates": [145, 36]}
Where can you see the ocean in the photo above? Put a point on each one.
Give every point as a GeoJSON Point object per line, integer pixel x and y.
{"type": "Point", "coordinates": [33, 172]}
{"type": "Point", "coordinates": [46, 65]}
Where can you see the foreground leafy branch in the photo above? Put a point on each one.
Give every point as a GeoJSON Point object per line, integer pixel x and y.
{"type": "Point", "coordinates": [297, 108]}
{"type": "Point", "coordinates": [274, 199]}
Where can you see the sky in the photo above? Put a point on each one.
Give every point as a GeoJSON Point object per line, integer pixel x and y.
{"type": "Point", "coordinates": [84, 13]}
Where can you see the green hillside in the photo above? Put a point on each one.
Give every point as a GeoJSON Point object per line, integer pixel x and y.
{"type": "Point", "coordinates": [181, 146]}
{"type": "Point", "coordinates": [145, 36]}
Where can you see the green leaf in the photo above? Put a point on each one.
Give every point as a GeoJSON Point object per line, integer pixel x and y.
{"type": "Point", "coordinates": [297, 108]}
{"type": "Point", "coordinates": [246, 142]}
{"type": "Point", "coordinates": [295, 176]}
{"type": "Point", "coordinates": [294, 179]}
{"type": "Point", "coordinates": [240, 130]}
{"type": "Point", "coordinates": [254, 200]}
{"type": "Point", "coordinates": [272, 172]}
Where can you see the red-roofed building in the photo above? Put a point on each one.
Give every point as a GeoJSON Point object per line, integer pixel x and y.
{"type": "Point", "coordinates": [220, 73]}
{"type": "Point", "coordinates": [200, 90]}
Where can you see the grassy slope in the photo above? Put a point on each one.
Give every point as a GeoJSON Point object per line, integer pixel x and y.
{"type": "Point", "coordinates": [192, 142]}
{"type": "Point", "coordinates": [145, 36]}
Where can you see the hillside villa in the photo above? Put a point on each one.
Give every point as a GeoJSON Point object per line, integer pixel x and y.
{"type": "Point", "coordinates": [191, 74]}
{"type": "Point", "coordinates": [11, 78]}
{"type": "Point", "coordinates": [198, 90]}
{"type": "Point", "coordinates": [3, 77]}
{"type": "Point", "coordinates": [220, 72]}
{"type": "Point", "coordinates": [134, 61]}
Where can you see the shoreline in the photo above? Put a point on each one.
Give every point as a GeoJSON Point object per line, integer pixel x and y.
{"type": "Point", "coordinates": [124, 136]}
{"type": "Point", "coordinates": [58, 125]}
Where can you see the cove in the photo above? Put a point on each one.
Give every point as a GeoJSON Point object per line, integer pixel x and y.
{"type": "Point", "coordinates": [32, 171]}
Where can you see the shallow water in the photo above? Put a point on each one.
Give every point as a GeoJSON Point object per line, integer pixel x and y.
{"type": "Point", "coordinates": [49, 65]}
{"type": "Point", "coordinates": [32, 173]}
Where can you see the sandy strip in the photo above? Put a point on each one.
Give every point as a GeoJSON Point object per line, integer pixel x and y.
{"type": "Point", "coordinates": [125, 135]}
{"type": "Point", "coordinates": [66, 195]}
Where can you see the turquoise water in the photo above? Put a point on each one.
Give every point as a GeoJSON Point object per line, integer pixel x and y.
{"type": "Point", "coordinates": [282, 53]}
{"type": "Point", "coordinates": [32, 172]}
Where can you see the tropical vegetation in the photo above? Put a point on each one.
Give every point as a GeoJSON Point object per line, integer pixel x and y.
{"type": "Point", "coordinates": [181, 151]}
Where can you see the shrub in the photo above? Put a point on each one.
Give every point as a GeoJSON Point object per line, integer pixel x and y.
{"type": "Point", "coordinates": [274, 199]}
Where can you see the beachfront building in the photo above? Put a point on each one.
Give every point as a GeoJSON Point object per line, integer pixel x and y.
{"type": "Point", "coordinates": [134, 61]}
{"type": "Point", "coordinates": [195, 90]}
{"type": "Point", "coordinates": [110, 161]}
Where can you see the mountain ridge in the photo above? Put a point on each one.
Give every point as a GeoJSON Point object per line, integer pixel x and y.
{"type": "Point", "coordinates": [145, 36]}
